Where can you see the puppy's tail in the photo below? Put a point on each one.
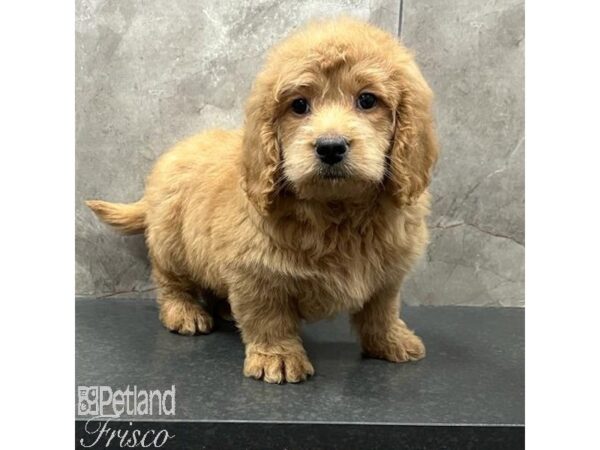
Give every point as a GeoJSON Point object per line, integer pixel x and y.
{"type": "Point", "coordinates": [127, 218]}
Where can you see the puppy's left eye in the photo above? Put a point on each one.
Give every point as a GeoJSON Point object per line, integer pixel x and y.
{"type": "Point", "coordinates": [366, 100]}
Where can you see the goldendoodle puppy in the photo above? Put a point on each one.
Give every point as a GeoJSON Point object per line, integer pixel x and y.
{"type": "Point", "coordinates": [317, 206]}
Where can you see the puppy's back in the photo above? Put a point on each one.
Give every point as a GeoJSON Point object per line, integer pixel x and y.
{"type": "Point", "coordinates": [193, 167]}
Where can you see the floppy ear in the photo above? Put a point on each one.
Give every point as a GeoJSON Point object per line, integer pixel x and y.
{"type": "Point", "coordinates": [414, 148]}
{"type": "Point", "coordinates": [260, 147]}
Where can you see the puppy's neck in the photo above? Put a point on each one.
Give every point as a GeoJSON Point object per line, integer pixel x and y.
{"type": "Point", "coordinates": [354, 213]}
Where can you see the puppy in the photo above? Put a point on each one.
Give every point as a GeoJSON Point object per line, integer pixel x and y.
{"type": "Point", "coordinates": [317, 206]}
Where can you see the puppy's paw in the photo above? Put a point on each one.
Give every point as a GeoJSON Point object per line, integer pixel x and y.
{"type": "Point", "coordinates": [186, 318]}
{"type": "Point", "coordinates": [278, 368]}
{"type": "Point", "coordinates": [399, 345]}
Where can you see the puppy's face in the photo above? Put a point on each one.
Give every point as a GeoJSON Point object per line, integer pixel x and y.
{"type": "Point", "coordinates": [340, 109]}
{"type": "Point", "coordinates": [334, 130]}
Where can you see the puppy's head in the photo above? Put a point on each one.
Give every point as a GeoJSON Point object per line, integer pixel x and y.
{"type": "Point", "coordinates": [339, 109]}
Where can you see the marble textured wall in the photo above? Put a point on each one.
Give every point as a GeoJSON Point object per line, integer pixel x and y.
{"type": "Point", "coordinates": [150, 73]}
{"type": "Point", "coordinates": [471, 52]}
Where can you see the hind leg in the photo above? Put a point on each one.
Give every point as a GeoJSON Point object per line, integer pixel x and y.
{"type": "Point", "coordinates": [180, 311]}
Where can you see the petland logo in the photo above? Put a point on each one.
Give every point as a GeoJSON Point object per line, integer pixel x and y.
{"type": "Point", "coordinates": [103, 401]}
{"type": "Point", "coordinates": [101, 404]}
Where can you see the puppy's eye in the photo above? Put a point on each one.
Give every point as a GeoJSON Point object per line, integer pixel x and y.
{"type": "Point", "coordinates": [366, 100]}
{"type": "Point", "coordinates": [300, 106]}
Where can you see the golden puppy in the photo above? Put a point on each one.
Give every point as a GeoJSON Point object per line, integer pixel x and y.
{"type": "Point", "coordinates": [317, 206]}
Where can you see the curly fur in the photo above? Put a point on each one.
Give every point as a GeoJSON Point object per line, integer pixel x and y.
{"type": "Point", "coordinates": [248, 216]}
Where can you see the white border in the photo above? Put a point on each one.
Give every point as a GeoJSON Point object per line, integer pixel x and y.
{"type": "Point", "coordinates": [562, 224]}
{"type": "Point", "coordinates": [37, 220]}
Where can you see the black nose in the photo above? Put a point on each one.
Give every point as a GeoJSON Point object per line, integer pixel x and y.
{"type": "Point", "coordinates": [331, 149]}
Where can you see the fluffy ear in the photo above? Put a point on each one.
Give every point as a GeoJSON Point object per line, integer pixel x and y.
{"type": "Point", "coordinates": [414, 148]}
{"type": "Point", "coordinates": [260, 147]}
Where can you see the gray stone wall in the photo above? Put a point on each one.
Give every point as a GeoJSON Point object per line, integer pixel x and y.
{"type": "Point", "coordinates": [151, 73]}
{"type": "Point", "coordinates": [471, 52]}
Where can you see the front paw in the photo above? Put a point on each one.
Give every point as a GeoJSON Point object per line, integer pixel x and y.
{"type": "Point", "coordinates": [397, 345]}
{"type": "Point", "coordinates": [279, 367]}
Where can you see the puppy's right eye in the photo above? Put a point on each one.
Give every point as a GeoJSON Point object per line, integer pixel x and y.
{"type": "Point", "coordinates": [300, 106]}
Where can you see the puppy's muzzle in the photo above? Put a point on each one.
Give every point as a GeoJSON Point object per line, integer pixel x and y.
{"type": "Point", "coordinates": [331, 149]}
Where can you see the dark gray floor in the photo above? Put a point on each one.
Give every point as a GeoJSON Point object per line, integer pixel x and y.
{"type": "Point", "coordinates": [473, 372]}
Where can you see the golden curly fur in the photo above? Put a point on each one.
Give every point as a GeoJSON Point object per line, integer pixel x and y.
{"type": "Point", "coordinates": [254, 216]}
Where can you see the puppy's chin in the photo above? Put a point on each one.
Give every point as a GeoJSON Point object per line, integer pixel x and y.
{"type": "Point", "coordinates": [332, 184]}
{"type": "Point", "coordinates": [333, 173]}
